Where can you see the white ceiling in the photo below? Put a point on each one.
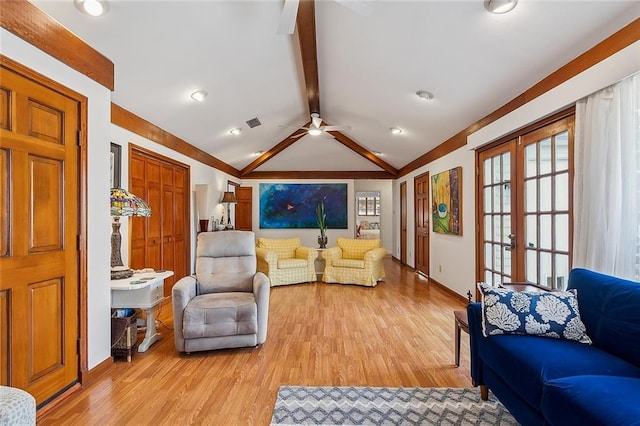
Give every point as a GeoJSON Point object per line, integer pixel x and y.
{"type": "Point", "coordinates": [369, 67]}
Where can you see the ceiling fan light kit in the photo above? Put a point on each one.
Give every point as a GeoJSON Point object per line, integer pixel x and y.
{"type": "Point", "coordinates": [199, 95]}
{"type": "Point", "coordinates": [315, 131]}
{"type": "Point", "coordinates": [500, 6]}
{"type": "Point", "coordinates": [92, 7]}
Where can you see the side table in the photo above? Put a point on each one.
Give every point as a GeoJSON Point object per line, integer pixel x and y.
{"type": "Point", "coordinates": [462, 323]}
{"type": "Point", "coordinates": [144, 291]}
{"type": "Point", "coordinates": [319, 266]}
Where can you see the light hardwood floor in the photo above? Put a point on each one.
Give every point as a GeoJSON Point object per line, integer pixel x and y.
{"type": "Point", "coordinates": [398, 334]}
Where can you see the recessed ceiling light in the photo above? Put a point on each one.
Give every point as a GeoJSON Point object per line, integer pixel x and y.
{"type": "Point", "coordinates": [92, 7]}
{"type": "Point", "coordinates": [378, 153]}
{"type": "Point", "coordinates": [199, 96]}
{"type": "Point", "coordinates": [423, 94]}
{"type": "Point", "coordinates": [395, 130]}
{"type": "Point", "coordinates": [255, 154]}
{"type": "Point", "coordinates": [235, 131]}
{"type": "Point", "coordinates": [315, 132]}
{"type": "Point", "coordinates": [500, 6]}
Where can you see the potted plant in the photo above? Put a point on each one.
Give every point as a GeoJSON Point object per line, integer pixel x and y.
{"type": "Point", "coordinates": [321, 218]}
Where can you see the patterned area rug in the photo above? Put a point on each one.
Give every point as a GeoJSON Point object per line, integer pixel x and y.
{"type": "Point", "coordinates": [386, 406]}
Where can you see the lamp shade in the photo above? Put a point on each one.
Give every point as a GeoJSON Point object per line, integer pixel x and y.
{"type": "Point", "coordinates": [202, 200]}
{"type": "Point", "coordinates": [124, 203]}
{"type": "Point", "coordinates": [228, 197]}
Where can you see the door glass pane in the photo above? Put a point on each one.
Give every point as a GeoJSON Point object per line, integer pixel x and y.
{"type": "Point", "coordinates": [497, 178]}
{"type": "Point", "coordinates": [545, 231]}
{"type": "Point", "coordinates": [487, 227]}
{"type": "Point", "coordinates": [546, 273]}
{"type": "Point", "coordinates": [562, 151]}
{"type": "Point", "coordinates": [497, 199]}
{"type": "Point", "coordinates": [506, 197]}
{"type": "Point", "coordinates": [532, 231]}
{"type": "Point", "coordinates": [488, 259]}
{"type": "Point", "coordinates": [531, 266]}
{"type": "Point", "coordinates": [531, 160]}
{"type": "Point", "coordinates": [506, 167]}
{"type": "Point", "coordinates": [545, 194]}
{"type": "Point", "coordinates": [497, 229]}
{"type": "Point", "coordinates": [487, 171]}
{"type": "Point", "coordinates": [506, 228]}
{"type": "Point", "coordinates": [562, 191]}
{"type": "Point", "coordinates": [545, 156]}
{"type": "Point", "coordinates": [531, 196]}
{"type": "Point", "coordinates": [497, 257]}
{"type": "Point", "coordinates": [488, 277]}
{"type": "Point", "coordinates": [562, 232]}
{"type": "Point", "coordinates": [487, 199]}
{"type": "Point", "coordinates": [562, 270]}
{"type": "Point", "coordinates": [507, 262]}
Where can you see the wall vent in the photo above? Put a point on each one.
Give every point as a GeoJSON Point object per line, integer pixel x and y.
{"type": "Point", "coordinates": [254, 122]}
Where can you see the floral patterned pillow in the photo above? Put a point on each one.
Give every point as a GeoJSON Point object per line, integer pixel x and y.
{"type": "Point", "coordinates": [550, 314]}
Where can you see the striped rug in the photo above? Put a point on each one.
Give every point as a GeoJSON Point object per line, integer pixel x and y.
{"type": "Point", "coordinates": [298, 405]}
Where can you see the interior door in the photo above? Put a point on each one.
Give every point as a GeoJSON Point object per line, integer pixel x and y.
{"type": "Point", "coordinates": [39, 258]}
{"type": "Point", "coordinates": [244, 208]}
{"type": "Point", "coordinates": [403, 223]}
{"type": "Point", "coordinates": [423, 215]}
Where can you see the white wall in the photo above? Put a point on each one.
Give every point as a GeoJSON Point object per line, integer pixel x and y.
{"type": "Point", "coordinates": [98, 233]}
{"type": "Point", "coordinates": [199, 174]}
{"type": "Point", "coordinates": [309, 237]}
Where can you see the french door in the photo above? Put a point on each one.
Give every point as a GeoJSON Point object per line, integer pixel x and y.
{"type": "Point", "coordinates": [524, 202]}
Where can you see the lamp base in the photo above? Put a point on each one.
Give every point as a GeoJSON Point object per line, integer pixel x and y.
{"type": "Point", "coordinates": [121, 272]}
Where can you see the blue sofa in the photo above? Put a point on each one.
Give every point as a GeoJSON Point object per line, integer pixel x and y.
{"type": "Point", "coordinates": [543, 380]}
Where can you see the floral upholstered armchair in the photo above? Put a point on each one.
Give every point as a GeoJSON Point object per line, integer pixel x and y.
{"type": "Point", "coordinates": [354, 262]}
{"type": "Point", "coordinates": [285, 261]}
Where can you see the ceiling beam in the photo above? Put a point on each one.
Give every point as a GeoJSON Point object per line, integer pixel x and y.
{"type": "Point", "coordinates": [319, 174]}
{"type": "Point", "coordinates": [281, 146]}
{"type": "Point", "coordinates": [355, 147]}
{"type": "Point", "coordinates": [306, 21]}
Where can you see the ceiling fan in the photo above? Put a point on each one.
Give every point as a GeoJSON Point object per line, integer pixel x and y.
{"type": "Point", "coordinates": [290, 11]}
{"type": "Point", "coordinates": [316, 128]}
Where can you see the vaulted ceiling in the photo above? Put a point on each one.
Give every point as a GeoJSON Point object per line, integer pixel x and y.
{"type": "Point", "coordinates": [360, 69]}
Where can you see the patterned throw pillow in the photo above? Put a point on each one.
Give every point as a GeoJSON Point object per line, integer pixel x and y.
{"type": "Point", "coordinates": [550, 314]}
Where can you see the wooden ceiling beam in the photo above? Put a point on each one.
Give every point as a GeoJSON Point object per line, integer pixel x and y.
{"type": "Point", "coordinates": [281, 146]}
{"type": "Point", "coordinates": [319, 174]}
{"type": "Point", "coordinates": [306, 22]}
{"type": "Point", "coordinates": [363, 152]}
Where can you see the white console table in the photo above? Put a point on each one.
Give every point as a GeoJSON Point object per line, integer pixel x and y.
{"type": "Point", "coordinates": [143, 291]}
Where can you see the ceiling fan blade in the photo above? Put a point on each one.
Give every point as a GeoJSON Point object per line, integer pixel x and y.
{"type": "Point", "coordinates": [288, 18]}
{"type": "Point", "coordinates": [335, 128]}
{"type": "Point", "coordinates": [361, 7]}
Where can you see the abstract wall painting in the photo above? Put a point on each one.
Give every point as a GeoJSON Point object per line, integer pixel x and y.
{"type": "Point", "coordinates": [446, 207]}
{"type": "Point", "coordinates": [292, 205]}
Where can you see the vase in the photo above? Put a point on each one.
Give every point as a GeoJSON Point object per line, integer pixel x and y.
{"type": "Point", "coordinates": [322, 241]}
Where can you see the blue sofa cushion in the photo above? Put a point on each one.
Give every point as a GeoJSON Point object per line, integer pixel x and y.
{"type": "Point", "coordinates": [547, 314]}
{"type": "Point", "coordinates": [527, 362]}
{"type": "Point", "coordinates": [609, 308]}
{"type": "Point", "coordinates": [592, 400]}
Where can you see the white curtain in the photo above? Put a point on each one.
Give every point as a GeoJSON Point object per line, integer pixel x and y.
{"type": "Point", "coordinates": [606, 208]}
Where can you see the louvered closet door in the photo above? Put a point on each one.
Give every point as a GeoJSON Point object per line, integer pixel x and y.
{"type": "Point", "coordinates": [38, 237]}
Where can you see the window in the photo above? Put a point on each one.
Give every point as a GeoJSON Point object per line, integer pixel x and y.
{"type": "Point", "coordinates": [368, 206]}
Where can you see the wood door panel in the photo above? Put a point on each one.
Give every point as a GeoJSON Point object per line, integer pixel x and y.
{"type": "Point", "coordinates": [5, 207]}
{"type": "Point", "coordinates": [422, 218]}
{"type": "Point", "coordinates": [244, 207]}
{"type": "Point", "coordinates": [39, 265]}
{"type": "Point", "coordinates": [46, 207]}
{"type": "Point", "coordinates": [403, 223]}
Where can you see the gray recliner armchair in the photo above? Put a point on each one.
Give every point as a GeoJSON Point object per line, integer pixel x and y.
{"type": "Point", "coordinates": [226, 303]}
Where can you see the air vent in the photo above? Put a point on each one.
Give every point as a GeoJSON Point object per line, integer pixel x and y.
{"type": "Point", "coordinates": [254, 122]}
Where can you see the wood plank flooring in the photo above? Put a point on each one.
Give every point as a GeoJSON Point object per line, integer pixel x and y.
{"type": "Point", "coordinates": [398, 334]}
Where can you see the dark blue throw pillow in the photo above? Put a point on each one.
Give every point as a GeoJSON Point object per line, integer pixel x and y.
{"type": "Point", "coordinates": [550, 314]}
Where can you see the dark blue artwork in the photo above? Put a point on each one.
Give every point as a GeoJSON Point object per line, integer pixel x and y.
{"type": "Point", "coordinates": [293, 205]}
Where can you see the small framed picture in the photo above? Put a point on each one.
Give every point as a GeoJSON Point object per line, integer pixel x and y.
{"type": "Point", "coordinates": [116, 155]}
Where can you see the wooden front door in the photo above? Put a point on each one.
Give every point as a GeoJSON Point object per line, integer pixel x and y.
{"type": "Point", "coordinates": [244, 208]}
{"type": "Point", "coordinates": [39, 257]}
{"type": "Point", "coordinates": [423, 214]}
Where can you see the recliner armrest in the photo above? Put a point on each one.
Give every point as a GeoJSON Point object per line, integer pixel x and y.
{"type": "Point", "coordinates": [182, 292]}
{"type": "Point", "coordinates": [261, 291]}
{"type": "Point", "coordinates": [474, 317]}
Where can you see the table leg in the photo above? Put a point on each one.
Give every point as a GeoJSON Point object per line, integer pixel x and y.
{"type": "Point", "coordinates": [151, 336]}
{"type": "Point", "coordinates": [457, 343]}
